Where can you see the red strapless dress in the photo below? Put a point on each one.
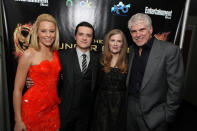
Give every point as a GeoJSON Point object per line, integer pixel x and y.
{"type": "Point", "coordinates": [40, 103]}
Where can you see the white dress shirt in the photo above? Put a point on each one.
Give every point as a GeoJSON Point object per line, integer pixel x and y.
{"type": "Point", "coordinates": [80, 57]}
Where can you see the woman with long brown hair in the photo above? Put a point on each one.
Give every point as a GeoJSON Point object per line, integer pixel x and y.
{"type": "Point", "coordinates": [110, 104]}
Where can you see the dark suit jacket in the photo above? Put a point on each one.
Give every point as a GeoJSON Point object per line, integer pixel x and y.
{"type": "Point", "coordinates": [162, 83]}
{"type": "Point", "coordinates": [67, 58]}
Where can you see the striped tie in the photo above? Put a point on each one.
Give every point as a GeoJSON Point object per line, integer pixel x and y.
{"type": "Point", "coordinates": [84, 63]}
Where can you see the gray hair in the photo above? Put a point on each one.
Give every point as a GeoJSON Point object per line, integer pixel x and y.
{"type": "Point", "coordinates": [140, 17]}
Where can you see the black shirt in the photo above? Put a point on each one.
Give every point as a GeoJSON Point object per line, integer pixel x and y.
{"type": "Point", "coordinates": [138, 68]}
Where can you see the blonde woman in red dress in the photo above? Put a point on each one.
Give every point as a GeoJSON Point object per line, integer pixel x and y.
{"type": "Point", "coordinates": [37, 109]}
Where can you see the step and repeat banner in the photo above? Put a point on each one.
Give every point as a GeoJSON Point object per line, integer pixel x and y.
{"type": "Point", "coordinates": [104, 15]}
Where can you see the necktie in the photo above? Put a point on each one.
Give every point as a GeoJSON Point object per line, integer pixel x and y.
{"type": "Point", "coordinates": [84, 63]}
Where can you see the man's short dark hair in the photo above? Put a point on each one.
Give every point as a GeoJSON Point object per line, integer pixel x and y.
{"type": "Point", "coordinates": [86, 24]}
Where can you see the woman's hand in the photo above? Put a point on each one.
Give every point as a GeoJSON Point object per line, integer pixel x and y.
{"type": "Point", "coordinates": [20, 126]}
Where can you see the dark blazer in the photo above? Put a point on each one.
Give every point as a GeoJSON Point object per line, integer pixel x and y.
{"type": "Point", "coordinates": [67, 58]}
{"type": "Point", "coordinates": [162, 83]}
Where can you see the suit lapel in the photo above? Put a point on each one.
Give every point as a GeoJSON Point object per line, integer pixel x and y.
{"type": "Point", "coordinates": [77, 64]}
{"type": "Point", "coordinates": [70, 67]}
{"type": "Point", "coordinates": [152, 63]}
{"type": "Point", "coordinates": [92, 65]}
{"type": "Point", "coordinates": [131, 56]}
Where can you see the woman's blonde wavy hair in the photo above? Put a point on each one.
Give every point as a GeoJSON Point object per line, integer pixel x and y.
{"type": "Point", "coordinates": [34, 38]}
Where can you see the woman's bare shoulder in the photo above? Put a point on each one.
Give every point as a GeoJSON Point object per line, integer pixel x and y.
{"type": "Point", "coordinates": [28, 55]}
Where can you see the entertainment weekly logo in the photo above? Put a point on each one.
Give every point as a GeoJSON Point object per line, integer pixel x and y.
{"type": "Point", "coordinates": [167, 14]}
{"type": "Point", "coordinates": [41, 2]}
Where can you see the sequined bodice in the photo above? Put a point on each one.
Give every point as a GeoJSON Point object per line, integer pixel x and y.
{"type": "Point", "coordinates": [113, 80]}
{"type": "Point", "coordinates": [46, 73]}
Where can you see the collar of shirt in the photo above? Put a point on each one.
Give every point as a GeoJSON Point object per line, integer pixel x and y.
{"type": "Point", "coordinates": [146, 46]}
{"type": "Point", "coordinates": [80, 53]}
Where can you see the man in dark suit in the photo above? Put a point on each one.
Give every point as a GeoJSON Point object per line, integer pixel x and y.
{"type": "Point", "coordinates": [155, 78]}
{"type": "Point", "coordinates": [79, 69]}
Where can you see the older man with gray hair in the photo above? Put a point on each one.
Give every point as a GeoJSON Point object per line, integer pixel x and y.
{"type": "Point", "coordinates": [155, 78]}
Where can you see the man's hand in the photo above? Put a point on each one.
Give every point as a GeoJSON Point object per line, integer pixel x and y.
{"type": "Point", "coordinates": [29, 82]}
{"type": "Point", "coordinates": [61, 76]}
